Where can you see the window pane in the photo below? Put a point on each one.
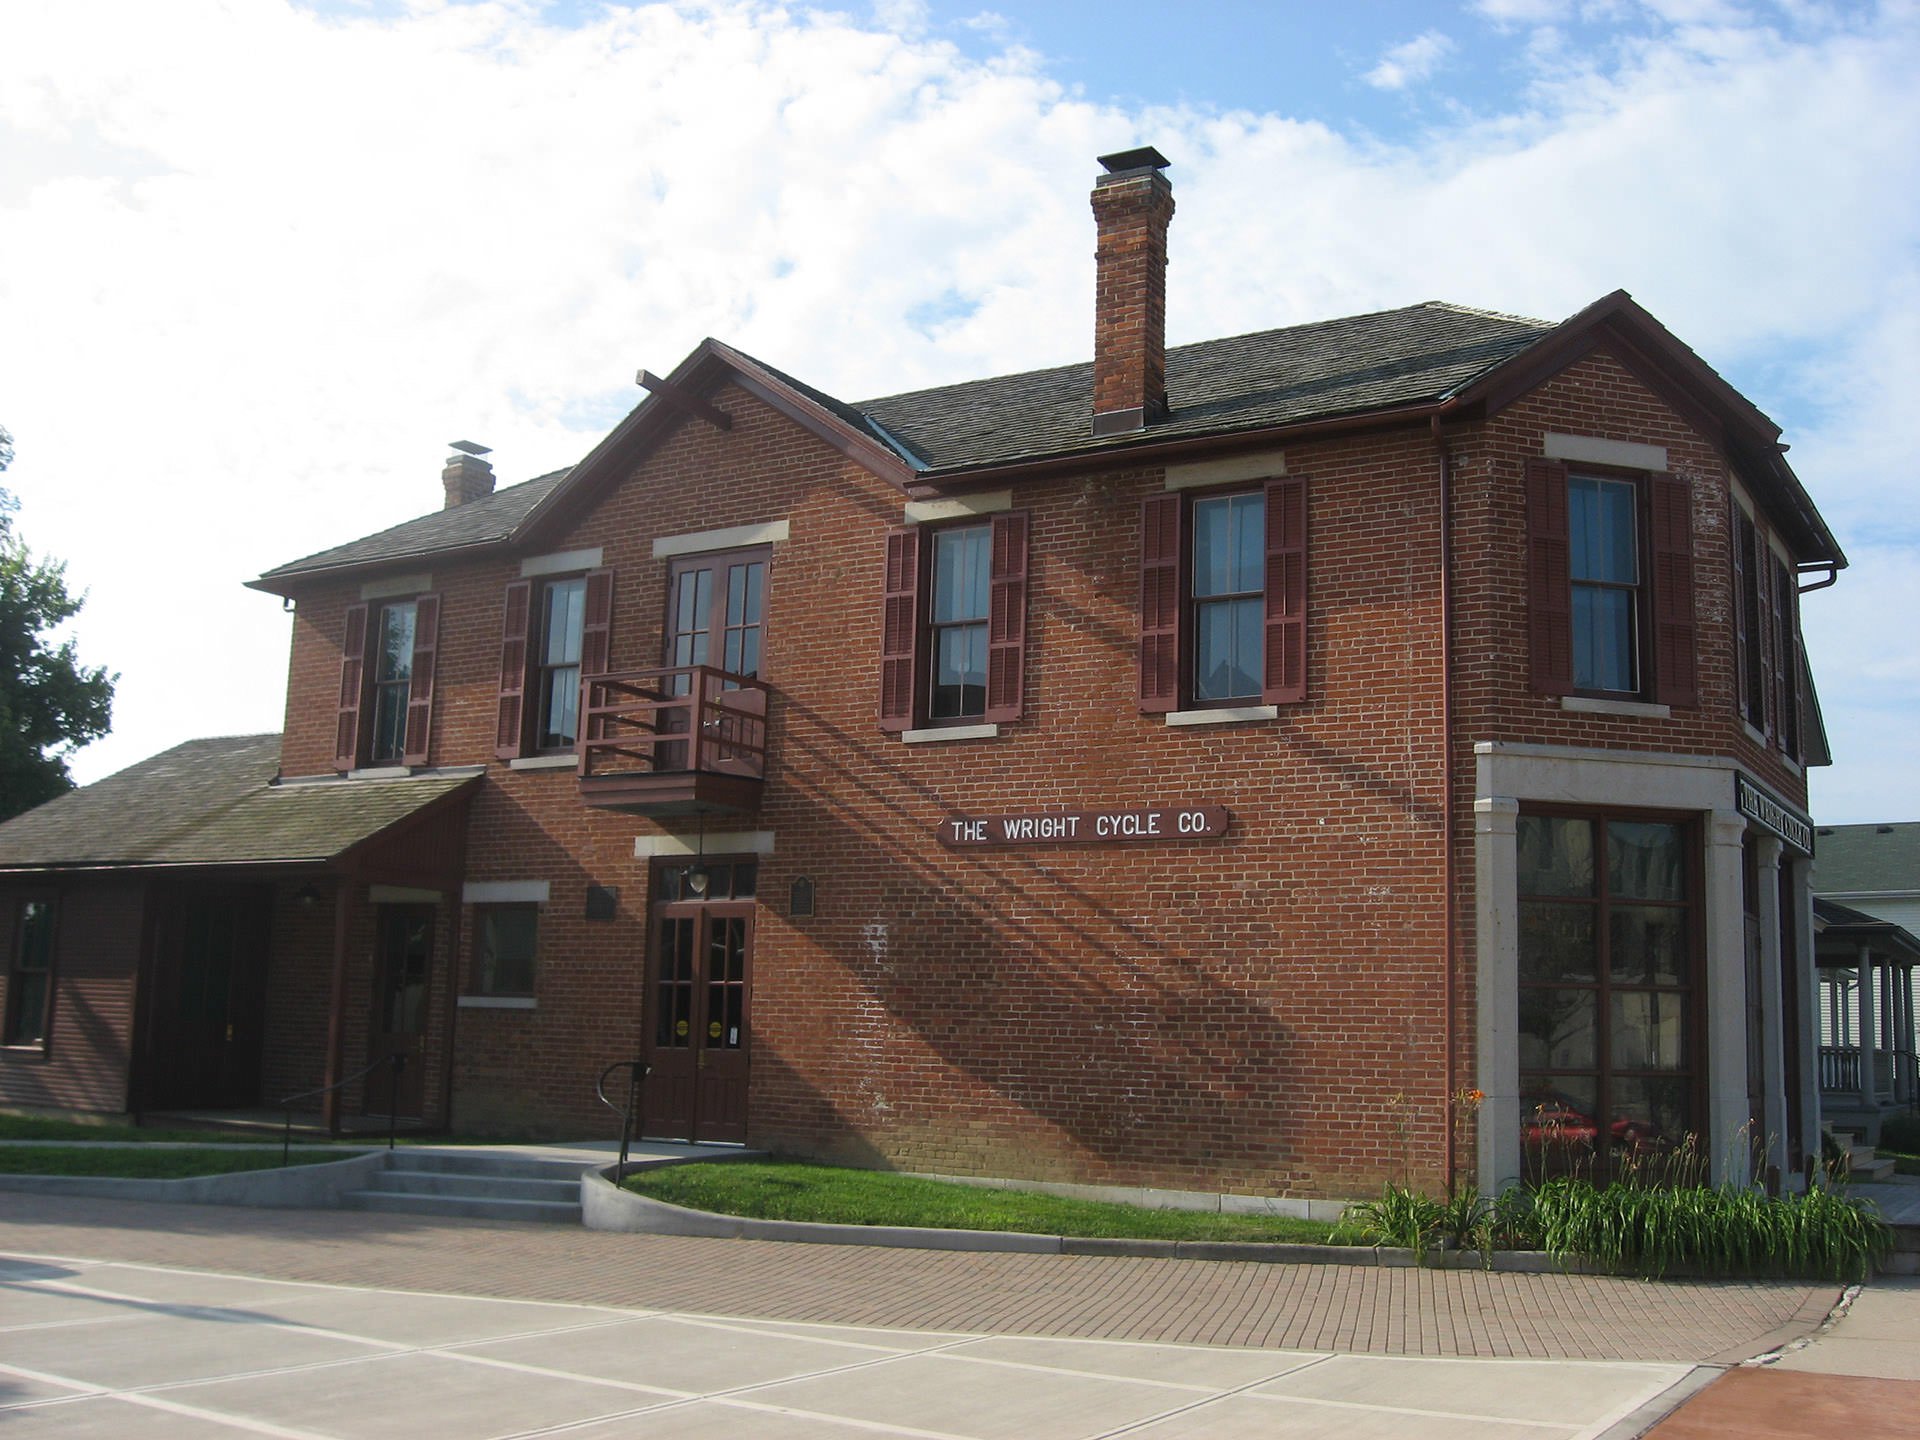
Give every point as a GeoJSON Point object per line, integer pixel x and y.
{"type": "Point", "coordinates": [507, 935]}
{"type": "Point", "coordinates": [1555, 855]}
{"type": "Point", "coordinates": [960, 574]}
{"type": "Point", "coordinates": [36, 935]}
{"type": "Point", "coordinates": [736, 594]}
{"type": "Point", "coordinates": [390, 721]}
{"type": "Point", "coordinates": [1648, 945]}
{"type": "Point", "coordinates": [1556, 942]}
{"type": "Point", "coordinates": [1557, 1128]}
{"type": "Point", "coordinates": [1557, 1029]}
{"type": "Point", "coordinates": [756, 578]}
{"type": "Point", "coordinates": [1602, 639]}
{"type": "Point", "coordinates": [1650, 1114]}
{"type": "Point", "coordinates": [960, 672]}
{"type": "Point", "coordinates": [566, 614]}
{"type": "Point", "coordinates": [1649, 1030]}
{"type": "Point", "coordinates": [560, 715]}
{"type": "Point", "coordinates": [1646, 860]}
{"type": "Point", "coordinates": [395, 658]}
{"type": "Point", "coordinates": [1600, 524]}
{"type": "Point", "coordinates": [1229, 545]}
{"type": "Point", "coordinates": [1227, 661]}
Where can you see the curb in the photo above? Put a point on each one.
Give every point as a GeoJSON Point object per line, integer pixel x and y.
{"type": "Point", "coordinates": [605, 1206]}
{"type": "Point", "coordinates": [299, 1187]}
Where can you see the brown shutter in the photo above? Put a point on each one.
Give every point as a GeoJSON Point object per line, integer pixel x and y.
{"type": "Point", "coordinates": [510, 741]}
{"type": "Point", "coordinates": [900, 629]}
{"type": "Point", "coordinates": [596, 630]}
{"type": "Point", "coordinates": [1160, 609]}
{"type": "Point", "coordinates": [1786, 608]}
{"type": "Point", "coordinates": [426, 634]}
{"type": "Point", "coordinates": [1736, 544]}
{"type": "Point", "coordinates": [353, 688]}
{"type": "Point", "coordinates": [1675, 636]}
{"type": "Point", "coordinates": [1286, 624]}
{"type": "Point", "coordinates": [1007, 618]}
{"type": "Point", "coordinates": [1549, 586]}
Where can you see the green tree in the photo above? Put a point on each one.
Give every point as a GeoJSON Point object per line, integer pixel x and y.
{"type": "Point", "coordinates": [50, 704]}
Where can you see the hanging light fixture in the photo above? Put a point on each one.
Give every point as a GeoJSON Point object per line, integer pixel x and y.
{"type": "Point", "coordinates": [697, 877]}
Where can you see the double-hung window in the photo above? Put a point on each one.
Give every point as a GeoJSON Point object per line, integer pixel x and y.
{"type": "Point", "coordinates": [563, 606]}
{"type": "Point", "coordinates": [1223, 598]}
{"type": "Point", "coordinates": [1766, 596]}
{"type": "Point", "coordinates": [954, 623]}
{"type": "Point", "coordinates": [30, 975]}
{"type": "Point", "coordinates": [1609, 578]}
{"type": "Point", "coordinates": [504, 949]}
{"type": "Point", "coordinates": [385, 713]}
{"type": "Point", "coordinates": [554, 633]}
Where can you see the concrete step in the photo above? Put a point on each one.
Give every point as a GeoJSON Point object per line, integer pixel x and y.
{"type": "Point", "coordinates": [1864, 1165]}
{"type": "Point", "coordinates": [502, 1187]}
{"type": "Point", "coordinates": [471, 1207]}
{"type": "Point", "coordinates": [456, 1162]}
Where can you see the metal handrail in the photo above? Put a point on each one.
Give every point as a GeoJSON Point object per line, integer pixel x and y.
{"type": "Point", "coordinates": [399, 1062]}
{"type": "Point", "coordinates": [637, 1071]}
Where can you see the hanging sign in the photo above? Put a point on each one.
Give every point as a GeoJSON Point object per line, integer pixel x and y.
{"type": "Point", "coordinates": [1087, 827]}
{"type": "Point", "coordinates": [1766, 809]}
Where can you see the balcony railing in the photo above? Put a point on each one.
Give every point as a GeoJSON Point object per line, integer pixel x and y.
{"type": "Point", "coordinates": [678, 739]}
{"type": "Point", "coordinates": [1839, 1068]}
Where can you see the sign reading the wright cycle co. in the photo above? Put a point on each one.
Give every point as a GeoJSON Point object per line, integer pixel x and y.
{"type": "Point", "coordinates": [1087, 827]}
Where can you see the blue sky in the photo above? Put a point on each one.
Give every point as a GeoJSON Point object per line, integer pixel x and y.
{"type": "Point", "coordinates": [262, 259]}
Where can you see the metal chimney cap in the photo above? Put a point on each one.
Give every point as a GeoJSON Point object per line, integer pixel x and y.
{"type": "Point", "coordinates": [1145, 158]}
{"type": "Point", "coordinates": [467, 447]}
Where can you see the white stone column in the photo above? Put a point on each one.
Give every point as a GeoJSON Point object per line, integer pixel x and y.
{"type": "Point", "coordinates": [1496, 929]}
{"type": "Point", "coordinates": [1869, 1030]}
{"type": "Point", "coordinates": [1903, 1034]}
{"type": "Point", "coordinates": [1773, 1035]}
{"type": "Point", "coordinates": [1806, 974]}
{"type": "Point", "coordinates": [1726, 1000]}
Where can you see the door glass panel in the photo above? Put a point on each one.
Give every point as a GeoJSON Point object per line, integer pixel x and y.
{"type": "Point", "coordinates": [726, 982]}
{"type": "Point", "coordinates": [1556, 942]}
{"type": "Point", "coordinates": [673, 993]}
{"type": "Point", "coordinates": [403, 999]}
{"type": "Point", "coordinates": [1557, 1029]}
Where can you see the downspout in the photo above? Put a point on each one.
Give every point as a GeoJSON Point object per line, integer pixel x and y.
{"type": "Point", "coordinates": [1451, 1024]}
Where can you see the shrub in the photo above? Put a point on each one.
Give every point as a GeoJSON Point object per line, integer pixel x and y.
{"type": "Point", "coordinates": [1901, 1133]}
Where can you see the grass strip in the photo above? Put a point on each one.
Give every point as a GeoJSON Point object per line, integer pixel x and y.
{"type": "Point", "coordinates": [42, 1127]}
{"type": "Point", "coordinates": [146, 1162]}
{"type": "Point", "coordinates": [781, 1190]}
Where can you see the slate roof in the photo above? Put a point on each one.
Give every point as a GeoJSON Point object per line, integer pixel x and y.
{"type": "Point", "coordinates": [488, 520]}
{"type": "Point", "coordinates": [1868, 859]}
{"type": "Point", "coordinates": [1420, 353]}
{"type": "Point", "coordinates": [211, 802]}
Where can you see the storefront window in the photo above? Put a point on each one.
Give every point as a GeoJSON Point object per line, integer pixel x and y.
{"type": "Point", "coordinates": [1608, 986]}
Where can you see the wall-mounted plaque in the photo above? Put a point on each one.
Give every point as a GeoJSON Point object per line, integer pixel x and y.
{"type": "Point", "coordinates": [1123, 824]}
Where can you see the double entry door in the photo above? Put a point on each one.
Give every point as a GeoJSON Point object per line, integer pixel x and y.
{"type": "Point", "coordinates": [699, 1000]}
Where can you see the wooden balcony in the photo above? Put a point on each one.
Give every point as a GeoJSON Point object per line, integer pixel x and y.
{"type": "Point", "coordinates": [679, 740]}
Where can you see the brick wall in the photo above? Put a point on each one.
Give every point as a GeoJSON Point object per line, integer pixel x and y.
{"type": "Point", "coordinates": [97, 944]}
{"type": "Point", "coordinates": [1260, 1013]}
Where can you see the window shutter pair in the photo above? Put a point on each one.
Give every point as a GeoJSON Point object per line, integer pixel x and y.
{"type": "Point", "coordinates": [902, 645]}
{"type": "Point", "coordinates": [1671, 669]}
{"type": "Point", "coordinates": [1740, 544]}
{"type": "Point", "coordinates": [518, 639]}
{"type": "Point", "coordinates": [353, 684]}
{"type": "Point", "coordinates": [1163, 608]}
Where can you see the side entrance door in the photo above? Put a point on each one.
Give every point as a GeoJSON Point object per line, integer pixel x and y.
{"type": "Point", "coordinates": [402, 980]}
{"type": "Point", "coordinates": [700, 990]}
{"type": "Point", "coordinates": [207, 1021]}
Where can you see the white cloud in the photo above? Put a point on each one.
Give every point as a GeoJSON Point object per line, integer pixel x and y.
{"type": "Point", "coordinates": [258, 267]}
{"type": "Point", "coordinates": [1411, 62]}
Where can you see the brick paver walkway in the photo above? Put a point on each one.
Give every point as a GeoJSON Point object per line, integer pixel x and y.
{"type": "Point", "coordinates": [1355, 1309]}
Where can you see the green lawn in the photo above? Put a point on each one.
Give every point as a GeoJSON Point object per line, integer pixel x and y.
{"type": "Point", "coordinates": [772, 1190]}
{"type": "Point", "coordinates": [42, 1127]}
{"type": "Point", "coordinates": [1902, 1164]}
{"type": "Point", "coordinates": [146, 1162]}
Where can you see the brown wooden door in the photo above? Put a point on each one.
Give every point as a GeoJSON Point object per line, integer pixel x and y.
{"type": "Point", "coordinates": [207, 1022]}
{"type": "Point", "coordinates": [699, 1032]}
{"type": "Point", "coordinates": [402, 986]}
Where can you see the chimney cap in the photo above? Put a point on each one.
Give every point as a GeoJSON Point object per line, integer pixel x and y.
{"type": "Point", "coordinates": [1145, 158]}
{"type": "Point", "coordinates": [467, 447]}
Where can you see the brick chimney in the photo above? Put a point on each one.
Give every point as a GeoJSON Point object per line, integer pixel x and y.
{"type": "Point", "coordinates": [1132, 204]}
{"type": "Point", "coordinates": [467, 476]}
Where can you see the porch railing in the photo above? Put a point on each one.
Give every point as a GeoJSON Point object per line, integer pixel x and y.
{"type": "Point", "coordinates": [1839, 1068]}
{"type": "Point", "coordinates": [673, 720]}
{"type": "Point", "coordinates": [397, 1060]}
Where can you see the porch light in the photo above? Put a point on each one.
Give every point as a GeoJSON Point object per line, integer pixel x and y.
{"type": "Point", "coordinates": [307, 896]}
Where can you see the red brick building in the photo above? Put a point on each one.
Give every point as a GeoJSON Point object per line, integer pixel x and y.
{"type": "Point", "coordinates": [1197, 769]}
